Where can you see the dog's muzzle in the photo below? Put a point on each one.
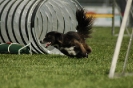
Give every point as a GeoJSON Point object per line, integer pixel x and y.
{"type": "Point", "coordinates": [46, 43]}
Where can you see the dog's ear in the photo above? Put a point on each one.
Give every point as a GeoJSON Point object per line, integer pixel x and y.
{"type": "Point", "coordinates": [59, 37]}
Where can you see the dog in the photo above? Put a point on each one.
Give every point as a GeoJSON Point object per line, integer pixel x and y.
{"type": "Point", "coordinates": [72, 44]}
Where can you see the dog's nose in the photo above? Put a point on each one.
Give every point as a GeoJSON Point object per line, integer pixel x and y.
{"type": "Point", "coordinates": [41, 41]}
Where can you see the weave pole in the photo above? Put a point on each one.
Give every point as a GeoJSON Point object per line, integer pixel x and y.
{"type": "Point", "coordinates": [119, 40]}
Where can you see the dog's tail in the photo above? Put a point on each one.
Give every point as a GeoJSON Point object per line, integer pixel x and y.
{"type": "Point", "coordinates": [84, 23]}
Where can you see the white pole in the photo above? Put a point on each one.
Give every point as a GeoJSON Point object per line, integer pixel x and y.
{"type": "Point", "coordinates": [119, 40]}
{"type": "Point", "coordinates": [127, 54]}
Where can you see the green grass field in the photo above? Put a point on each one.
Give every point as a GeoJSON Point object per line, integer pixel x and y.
{"type": "Point", "coordinates": [55, 71]}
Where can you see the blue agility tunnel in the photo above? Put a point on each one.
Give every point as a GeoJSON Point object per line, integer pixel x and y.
{"type": "Point", "coordinates": [27, 21]}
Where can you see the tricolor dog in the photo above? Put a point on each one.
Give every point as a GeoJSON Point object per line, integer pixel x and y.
{"type": "Point", "coordinates": [73, 43]}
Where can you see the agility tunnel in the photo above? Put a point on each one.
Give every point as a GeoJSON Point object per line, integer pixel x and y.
{"type": "Point", "coordinates": [27, 21]}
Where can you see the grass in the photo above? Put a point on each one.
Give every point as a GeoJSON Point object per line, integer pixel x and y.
{"type": "Point", "coordinates": [55, 71]}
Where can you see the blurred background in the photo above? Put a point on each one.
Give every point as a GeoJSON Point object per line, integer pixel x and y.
{"type": "Point", "coordinates": [102, 9]}
{"type": "Point", "coordinates": [96, 2]}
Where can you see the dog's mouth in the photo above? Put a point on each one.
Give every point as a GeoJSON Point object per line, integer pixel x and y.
{"type": "Point", "coordinates": [47, 44]}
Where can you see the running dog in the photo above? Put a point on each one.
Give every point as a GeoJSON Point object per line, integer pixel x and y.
{"type": "Point", "coordinates": [72, 43]}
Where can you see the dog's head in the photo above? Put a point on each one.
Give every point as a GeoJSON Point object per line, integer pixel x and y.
{"type": "Point", "coordinates": [53, 38]}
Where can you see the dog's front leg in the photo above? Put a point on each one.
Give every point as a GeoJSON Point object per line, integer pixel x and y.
{"type": "Point", "coordinates": [87, 47]}
{"type": "Point", "coordinates": [81, 47]}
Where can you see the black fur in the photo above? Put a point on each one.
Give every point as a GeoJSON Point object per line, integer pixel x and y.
{"type": "Point", "coordinates": [74, 40]}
